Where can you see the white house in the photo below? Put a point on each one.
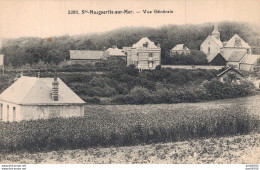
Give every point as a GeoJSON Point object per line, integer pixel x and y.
{"type": "Point", "coordinates": [30, 98]}
{"type": "Point", "coordinates": [180, 49]}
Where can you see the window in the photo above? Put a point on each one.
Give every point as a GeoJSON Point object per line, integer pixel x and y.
{"type": "Point", "coordinates": [1, 111]}
{"type": "Point", "coordinates": [14, 114]}
{"type": "Point", "coordinates": [209, 43]}
{"type": "Point", "coordinates": [208, 49]}
{"type": "Point", "coordinates": [7, 112]}
{"type": "Point", "coordinates": [225, 79]}
{"type": "Point", "coordinates": [150, 54]}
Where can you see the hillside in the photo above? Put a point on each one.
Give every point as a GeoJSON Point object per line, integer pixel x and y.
{"type": "Point", "coordinates": [55, 49]}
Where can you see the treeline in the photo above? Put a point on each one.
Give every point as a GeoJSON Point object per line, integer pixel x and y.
{"type": "Point", "coordinates": [31, 50]}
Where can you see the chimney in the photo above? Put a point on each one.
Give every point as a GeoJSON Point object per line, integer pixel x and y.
{"type": "Point", "coordinates": [55, 90]}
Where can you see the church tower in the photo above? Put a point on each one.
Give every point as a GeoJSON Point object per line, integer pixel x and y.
{"type": "Point", "coordinates": [215, 32]}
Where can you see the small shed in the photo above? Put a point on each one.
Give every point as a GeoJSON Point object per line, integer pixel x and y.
{"type": "Point", "coordinates": [230, 75]}
{"type": "Point", "coordinates": [30, 98]}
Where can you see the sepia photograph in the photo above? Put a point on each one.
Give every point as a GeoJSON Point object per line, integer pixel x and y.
{"type": "Point", "coordinates": [88, 82]}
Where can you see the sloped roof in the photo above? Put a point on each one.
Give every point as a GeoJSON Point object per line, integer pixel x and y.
{"type": "Point", "coordinates": [231, 42]}
{"type": "Point", "coordinates": [143, 41]}
{"type": "Point", "coordinates": [115, 52]}
{"type": "Point", "coordinates": [211, 56]}
{"type": "Point", "coordinates": [227, 70]}
{"type": "Point", "coordinates": [236, 56]}
{"type": "Point", "coordinates": [37, 91]}
{"type": "Point", "coordinates": [88, 55]}
{"type": "Point", "coordinates": [250, 59]}
{"type": "Point", "coordinates": [180, 47]}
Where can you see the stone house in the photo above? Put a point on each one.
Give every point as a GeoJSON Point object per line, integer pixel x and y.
{"type": "Point", "coordinates": [30, 98]}
{"type": "Point", "coordinates": [145, 55]}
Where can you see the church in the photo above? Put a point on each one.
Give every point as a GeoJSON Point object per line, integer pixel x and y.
{"type": "Point", "coordinates": [230, 53]}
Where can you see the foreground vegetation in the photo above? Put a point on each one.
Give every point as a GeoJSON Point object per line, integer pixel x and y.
{"type": "Point", "coordinates": [118, 84]}
{"type": "Point", "coordinates": [244, 149]}
{"type": "Point", "coordinates": [101, 128]}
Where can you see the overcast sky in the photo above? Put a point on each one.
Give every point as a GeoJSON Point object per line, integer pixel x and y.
{"type": "Point", "coordinates": [50, 18]}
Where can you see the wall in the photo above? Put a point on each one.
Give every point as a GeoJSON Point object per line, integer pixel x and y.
{"type": "Point", "coordinates": [190, 67]}
{"type": "Point", "coordinates": [246, 67]}
{"type": "Point", "coordinates": [43, 112]}
{"type": "Point", "coordinates": [12, 116]}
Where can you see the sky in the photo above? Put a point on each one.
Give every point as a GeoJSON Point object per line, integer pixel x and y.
{"type": "Point", "coordinates": [46, 18]}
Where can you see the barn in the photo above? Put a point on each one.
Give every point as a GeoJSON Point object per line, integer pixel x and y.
{"type": "Point", "coordinates": [30, 98]}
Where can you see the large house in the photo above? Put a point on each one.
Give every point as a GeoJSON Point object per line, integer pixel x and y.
{"type": "Point", "coordinates": [145, 55]}
{"type": "Point", "coordinates": [180, 49]}
{"type": "Point", "coordinates": [232, 51]}
{"type": "Point", "coordinates": [30, 98]}
{"type": "Point", "coordinates": [87, 56]}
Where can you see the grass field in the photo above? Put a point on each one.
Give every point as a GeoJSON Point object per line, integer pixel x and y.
{"type": "Point", "coordinates": [223, 150]}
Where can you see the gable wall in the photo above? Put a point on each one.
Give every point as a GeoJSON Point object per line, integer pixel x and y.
{"type": "Point", "coordinates": [209, 42]}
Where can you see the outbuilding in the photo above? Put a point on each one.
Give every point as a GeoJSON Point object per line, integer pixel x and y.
{"type": "Point", "coordinates": [30, 98]}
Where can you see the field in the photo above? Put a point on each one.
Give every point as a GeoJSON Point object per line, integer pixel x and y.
{"type": "Point", "coordinates": [224, 150]}
{"type": "Point", "coordinates": [199, 130]}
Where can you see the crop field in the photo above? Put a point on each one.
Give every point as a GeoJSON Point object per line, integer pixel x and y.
{"type": "Point", "coordinates": [128, 125]}
{"type": "Point", "coordinates": [223, 150]}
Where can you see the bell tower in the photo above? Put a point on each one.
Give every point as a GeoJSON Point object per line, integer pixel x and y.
{"type": "Point", "coordinates": [215, 32]}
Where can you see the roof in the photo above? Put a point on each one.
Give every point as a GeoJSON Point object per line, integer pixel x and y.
{"type": "Point", "coordinates": [142, 41]}
{"type": "Point", "coordinates": [227, 70]}
{"type": "Point", "coordinates": [115, 52]}
{"type": "Point", "coordinates": [37, 91]}
{"type": "Point", "coordinates": [231, 42]}
{"type": "Point", "coordinates": [211, 56]}
{"type": "Point", "coordinates": [179, 47]}
{"type": "Point", "coordinates": [88, 55]}
{"type": "Point", "coordinates": [250, 59]}
{"type": "Point", "coordinates": [236, 56]}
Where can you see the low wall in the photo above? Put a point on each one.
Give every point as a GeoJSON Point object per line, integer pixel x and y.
{"type": "Point", "coordinates": [192, 67]}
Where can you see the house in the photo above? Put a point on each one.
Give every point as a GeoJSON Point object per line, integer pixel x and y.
{"type": "Point", "coordinates": [234, 50]}
{"type": "Point", "coordinates": [114, 52]}
{"type": "Point", "coordinates": [216, 59]}
{"type": "Point", "coordinates": [236, 57]}
{"type": "Point", "coordinates": [235, 43]}
{"type": "Point", "coordinates": [87, 56]}
{"type": "Point", "coordinates": [249, 62]}
{"type": "Point", "coordinates": [145, 55]}
{"type": "Point", "coordinates": [230, 75]}
{"type": "Point", "coordinates": [212, 43]}
{"type": "Point", "coordinates": [30, 98]}
{"type": "Point", "coordinates": [180, 49]}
